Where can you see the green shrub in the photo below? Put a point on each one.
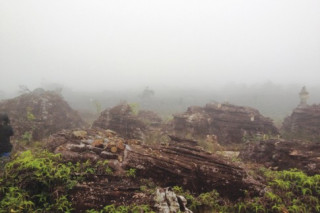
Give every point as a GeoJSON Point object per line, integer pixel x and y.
{"type": "Point", "coordinates": [131, 173]}
{"type": "Point", "coordinates": [288, 191]}
{"type": "Point", "coordinates": [30, 181]}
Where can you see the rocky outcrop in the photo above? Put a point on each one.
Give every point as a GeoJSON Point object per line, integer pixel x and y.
{"type": "Point", "coordinates": [282, 154]}
{"type": "Point", "coordinates": [36, 115]}
{"type": "Point", "coordinates": [184, 163]}
{"type": "Point", "coordinates": [303, 123]}
{"type": "Point", "coordinates": [127, 123]}
{"type": "Point", "coordinates": [150, 118]}
{"type": "Point", "coordinates": [123, 120]}
{"type": "Point", "coordinates": [230, 123]}
{"type": "Point", "coordinates": [181, 163]}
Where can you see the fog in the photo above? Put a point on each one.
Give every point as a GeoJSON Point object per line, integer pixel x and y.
{"type": "Point", "coordinates": [94, 45]}
{"type": "Point", "coordinates": [195, 51]}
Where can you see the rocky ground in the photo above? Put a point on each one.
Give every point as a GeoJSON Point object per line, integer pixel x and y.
{"type": "Point", "coordinates": [127, 123]}
{"type": "Point", "coordinates": [284, 154]}
{"type": "Point", "coordinates": [120, 137]}
{"type": "Point", "coordinates": [181, 162]}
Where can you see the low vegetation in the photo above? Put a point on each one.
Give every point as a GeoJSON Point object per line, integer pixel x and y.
{"type": "Point", "coordinates": [41, 181]}
{"type": "Point", "coordinates": [289, 191]}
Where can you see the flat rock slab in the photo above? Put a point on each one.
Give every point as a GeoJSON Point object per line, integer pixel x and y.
{"type": "Point", "coordinates": [181, 162]}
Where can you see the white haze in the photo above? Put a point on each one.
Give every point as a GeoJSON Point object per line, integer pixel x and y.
{"type": "Point", "coordinates": [99, 44]}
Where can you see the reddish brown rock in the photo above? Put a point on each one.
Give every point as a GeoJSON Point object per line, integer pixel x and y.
{"type": "Point", "coordinates": [230, 123]}
{"type": "Point", "coordinates": [36, 115]}
{"type": "Point", "coordinates": [97, 143]}
{"type": "Point", "coordinates": [181, 162]}
{"type": "Point", "coordinates": [282, 154]}
{"type": "Point", "coordinates": [185, 164]}
{"type": "Point", "coordinates": [303, 123]}
{"type": "Point", "coordinates": [150, 118]}
{"type": "Point", "coordinates": [122, 120]}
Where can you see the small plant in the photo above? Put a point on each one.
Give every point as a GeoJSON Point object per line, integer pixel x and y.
{"type": "Point", "coordinates": [102, 168]}
{"type": "Point", "coordinates": [97, 106]}
{"type": "Point", "coordinates": [30, 115]}
{"type": "Point", "coordinates": [108, 171]}
{"type": "Point", "coordinates": [27, 136]}
{"type": "Point", "coordinates": [15, 198]}
{"type": "Point", "coordinates": [134, 107]}
{"type": "Point", "coordinates": [131, 173]}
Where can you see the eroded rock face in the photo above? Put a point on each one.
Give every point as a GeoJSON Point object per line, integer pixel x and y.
{"type": "Point", "coordinates": [40, 113]}
{"type": "Point", "coordinates": [151, 118]}
{"type": "Point", "coordinates": [303, 123]}
{"type": "Point", "coordinates": [181, 162]}
{"type": "Point", "coordinates": [167, 201]}
{"type": "Point", "coordinates": [89, 144]}
{"type": "Point", "coordinates": [122, 120]}
{"type": "Point", "coordinates": [126, 123]}
{"type": "Point", "coordinates": [282, 154]}
{"type": "Point", "coordinates": [230, 123]}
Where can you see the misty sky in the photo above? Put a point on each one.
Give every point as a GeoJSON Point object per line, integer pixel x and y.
{"type": "Point", "coordinates": [100, 44]}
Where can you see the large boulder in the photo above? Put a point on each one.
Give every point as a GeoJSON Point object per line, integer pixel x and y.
{"type": "Point", "coordinates": [283, 154]}
{"type": "Point", "coordinates": [303, 123]}
{"type": "Point", "coordinates": [127, 123]}
{"type": "Point", "coordinates": [36, 115]}
{"type": "Point", "coordinates": [229, 123]}
{"type": "Point", "coordinates": [150, 118]}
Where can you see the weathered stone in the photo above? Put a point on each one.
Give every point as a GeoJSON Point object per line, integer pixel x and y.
{"type": "Point", "coordinates": [133, 142]}
{"type": "Point", "coordinates": [94, 149]}
{"type": "Point", "coordinates": [121, 120]}
{"type": "Point", "coordinates": [282, 154]}
{"type": "Point", "coordinates": [150, 118]}
{"type": "Point", "coordinates": [108, 155]}
{"type": "Point", "coordinates": [80, 134]}
{"type": "Point", "coordinates": [113, 149]}
{"type": "Point", "coordinates": [78, 156]}
{"type": "Point", "coordinates": [166, 201]}
{"type": "Point", "coordinates": [303, 123]}
{"type": "Point", "coordinates": [181, 162]}
{"type": "Point", "coordinates": [39, 114]}
{"type": "Point", "coordinates": [111, 144]}
{"type": "Point", "coordinates": [98, 143]}
{"type": "Point", "coordinates": [230, 123]}
{"type": "Point", "coordinates": [127, 124]}
{"type": "Point", "coordinates": [110, 133]}
{"type": "Point", "coordinates": [120, 145]}
{"type": "Point", "coordinates": [76, 147]}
